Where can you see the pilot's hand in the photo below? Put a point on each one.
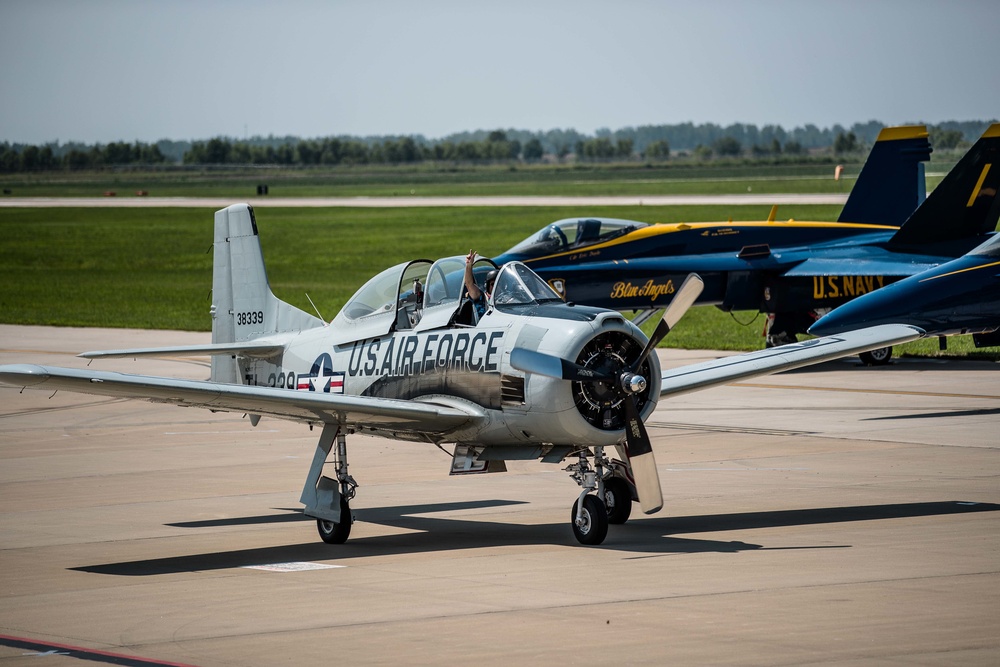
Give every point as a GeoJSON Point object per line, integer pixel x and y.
{"type": "Point", "coordinates": [471, 257]}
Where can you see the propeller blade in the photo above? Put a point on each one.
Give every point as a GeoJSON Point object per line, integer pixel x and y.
{"type": "Point", "coordinates": [540, 363]}
{"type": "Point", "coordinates": [641, 460]}
{"type": "Point", "coordinates": [683, 299]}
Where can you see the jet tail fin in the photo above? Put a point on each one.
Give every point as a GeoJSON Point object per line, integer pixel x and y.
{"type": "Point", "coordinates": [243, 306]}
{"type": "Point", "coordinates": [891, 184]}
{"type": "Point", "coordinates": [964, 205]}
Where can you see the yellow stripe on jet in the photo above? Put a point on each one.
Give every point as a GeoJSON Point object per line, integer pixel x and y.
{"type": "Point", "coordinates": [979, 185]}
{"type": "Point", "coordinates": [971, 268]}
{"type": "Point", "coordinates": [902, 132]}
{"type": "Point", "coordinates": [669, 228]}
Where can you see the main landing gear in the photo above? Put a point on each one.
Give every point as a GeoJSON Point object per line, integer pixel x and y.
{"type": "Point", "coordinates": [328, 500]}
{"type": "Point", "coordinates": [612, 503]}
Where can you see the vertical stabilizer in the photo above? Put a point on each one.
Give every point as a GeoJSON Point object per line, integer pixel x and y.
{"type": "Point", "coordinates": [243, 307]}
{"type": "Point", "coordinates": [964, 205]}
{"type": "Point", "coordinates": [891, 185]}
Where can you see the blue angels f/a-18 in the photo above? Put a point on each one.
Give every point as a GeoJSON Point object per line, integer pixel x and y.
{"type": "Point", "coordinates": [409, 358]}
{"type": "Point", "coordinates": [793, 271]}
{"type": "Point", "coordinates": [959, 297]}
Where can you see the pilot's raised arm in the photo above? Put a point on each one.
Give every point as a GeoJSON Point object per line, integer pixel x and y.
{"type": "Point", "coordinates": [470, 283]}
{"type": "Point", "coordinates": [477, 295]}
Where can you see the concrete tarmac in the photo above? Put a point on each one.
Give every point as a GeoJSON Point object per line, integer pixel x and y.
{"type": "Point", "coordinates": [837, 515]}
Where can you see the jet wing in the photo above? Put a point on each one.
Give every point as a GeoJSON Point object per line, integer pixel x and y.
{"type": "Point", "coordinates": [418, 417]}
{"type": "Point", "coordinates": [898, 264]}
{"type": "Point", "coordinates": [686, 379]}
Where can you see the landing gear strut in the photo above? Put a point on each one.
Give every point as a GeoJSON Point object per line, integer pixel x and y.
{"type": "Point", "coordinates": [327, 500]}
{"type": "Point", "coordinates": [612, 502]}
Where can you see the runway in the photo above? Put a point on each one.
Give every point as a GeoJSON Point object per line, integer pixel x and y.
{"type": "Point", "coordinates": [838, 515]}
{"type": "Point", "coordinates": [409, 202]}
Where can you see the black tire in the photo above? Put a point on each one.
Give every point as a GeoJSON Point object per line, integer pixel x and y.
{"type": "Point", "coordinates": [595, 525]}
{"type": "Point", "coordinates": [877, 357]}
{"type": "Point", "coordinates": [336, 533]}
{"type": "Point", "coordinates": [618, 500]}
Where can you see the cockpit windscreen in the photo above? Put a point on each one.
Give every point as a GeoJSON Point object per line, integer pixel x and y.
{"type": "Point", "coordinates": [517, 285]}
{"type": "Point", "coordinates": [571, 234]}
{"type": "Point", "coordinates": [990, 248]}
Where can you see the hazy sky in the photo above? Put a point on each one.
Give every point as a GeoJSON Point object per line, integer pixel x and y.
{"type": "Point", "coordinates": [110, 70]}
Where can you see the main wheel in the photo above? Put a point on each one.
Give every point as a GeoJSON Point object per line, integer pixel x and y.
{"type": "Point", "coordinates": [618, 500]}
{"type": "Point", "coordinates": [595, 521]}
{"type": "Point", "coordinates": [336, 533]}
{"type": "Point", "coordinates": [878, 357]}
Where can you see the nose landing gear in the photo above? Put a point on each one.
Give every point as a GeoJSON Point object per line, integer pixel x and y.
{"type": "Point", "coordinates": [612, 502]}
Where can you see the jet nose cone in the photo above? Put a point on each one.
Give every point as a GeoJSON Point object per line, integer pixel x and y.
{"type": "Point", "coordinates": [882, 306]}
{"type": "Point", "coordinates": [831, 323]}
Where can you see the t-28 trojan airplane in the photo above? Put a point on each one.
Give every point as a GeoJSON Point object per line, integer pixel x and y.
{"type": "Point", "coordinates": [408, 358]}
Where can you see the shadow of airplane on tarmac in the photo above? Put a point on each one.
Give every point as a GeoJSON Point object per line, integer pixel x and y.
{"type": "Point", "coordinates": [655, 536]}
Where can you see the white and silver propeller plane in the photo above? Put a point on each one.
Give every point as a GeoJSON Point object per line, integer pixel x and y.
{"type": "Point", "coordinates": [407, 358]}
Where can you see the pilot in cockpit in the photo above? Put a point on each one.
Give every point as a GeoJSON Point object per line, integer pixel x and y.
{"type": "Point", "coordinates": [478, 296]}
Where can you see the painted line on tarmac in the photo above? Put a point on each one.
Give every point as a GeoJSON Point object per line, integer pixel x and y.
{"type": "Point", "coordinates": [291, 567]}
{"type": "Point", "coordinates": [891, 392]}
{"type": "Point", "coordinates": [40, 648]}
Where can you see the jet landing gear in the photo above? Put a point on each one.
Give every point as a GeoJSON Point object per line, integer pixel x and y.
{"type": "Point", "coordinates": [612, 504]}
{"type": "Point", "coordinates": [327, 500]}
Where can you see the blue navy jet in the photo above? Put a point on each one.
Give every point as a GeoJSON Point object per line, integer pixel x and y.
{"type": "Point", "coordinates": [793, 271]}
{"type": "Point", "coordinates": [959, 297]}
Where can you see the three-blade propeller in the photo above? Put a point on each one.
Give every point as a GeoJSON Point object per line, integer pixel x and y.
{"type": "Point", "coordinates": [626, 383]}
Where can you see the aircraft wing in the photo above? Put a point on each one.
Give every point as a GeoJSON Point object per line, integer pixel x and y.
{"type": "Point", "coordinates": [262, 348]}
{"type": "Point", "coordinates": [415, 417]}
{"type": "Point", "coordinates": [686, 379]}
{"type": "Point", "coordinates": [897, 265]}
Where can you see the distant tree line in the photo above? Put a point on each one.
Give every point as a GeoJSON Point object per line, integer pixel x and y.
{"type": "Point", "coordinates": [648, 142]}
{"type": "Point", "coordinates": [14, 158]}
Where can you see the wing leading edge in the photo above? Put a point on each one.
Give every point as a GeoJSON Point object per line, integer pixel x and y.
{"type": "Point", "coordinates": [726, 370]}
{"type": "Point", "coordinates": [413, 417]}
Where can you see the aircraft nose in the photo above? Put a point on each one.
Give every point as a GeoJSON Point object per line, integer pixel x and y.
{"type": "Point", "coordinates": [884, 306]}
{"type": "Point", "coordinates": [831, 323]}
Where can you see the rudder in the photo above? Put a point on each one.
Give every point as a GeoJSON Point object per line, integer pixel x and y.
{"type": "Point", "coordinates": [891, 184]}
{"type": "Point", "coordinates": [243, 306]}
{"type": "Point", "coordinates": [964, 205]}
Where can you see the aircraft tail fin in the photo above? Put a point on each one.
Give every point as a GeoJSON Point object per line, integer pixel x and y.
{"type": "Point", "coordinates": [243, 306]}
{"type": "Point", "coordinates": [964, 205]}
{"type": "Point", "coordinates": [891, 183]}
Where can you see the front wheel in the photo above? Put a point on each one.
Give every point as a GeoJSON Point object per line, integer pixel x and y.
{"type": "Point", "coordinates": [336, 533]}
{"type": "Point", "coordinates": [618, 500]}
{"type": "Point", "coordinates": [877, 357]}
{"type": "Point", "coordinates": [594, 527]}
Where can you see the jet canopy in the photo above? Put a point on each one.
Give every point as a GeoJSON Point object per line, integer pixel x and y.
{"type": "Point", "coordinates": [991, 248]}
{"type": "Point", "coordinates": [571, 234]}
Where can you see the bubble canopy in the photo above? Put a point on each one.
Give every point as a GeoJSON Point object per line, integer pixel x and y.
{"type": "Point", "coordinates": [571, 234]}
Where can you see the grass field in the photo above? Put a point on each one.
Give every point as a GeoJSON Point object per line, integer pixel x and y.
{"type": "Point", "coordinates": [152, 268]}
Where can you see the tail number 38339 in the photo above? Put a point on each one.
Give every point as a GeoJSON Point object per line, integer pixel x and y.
{"type": "Point", "coordinates": [253, 317]}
